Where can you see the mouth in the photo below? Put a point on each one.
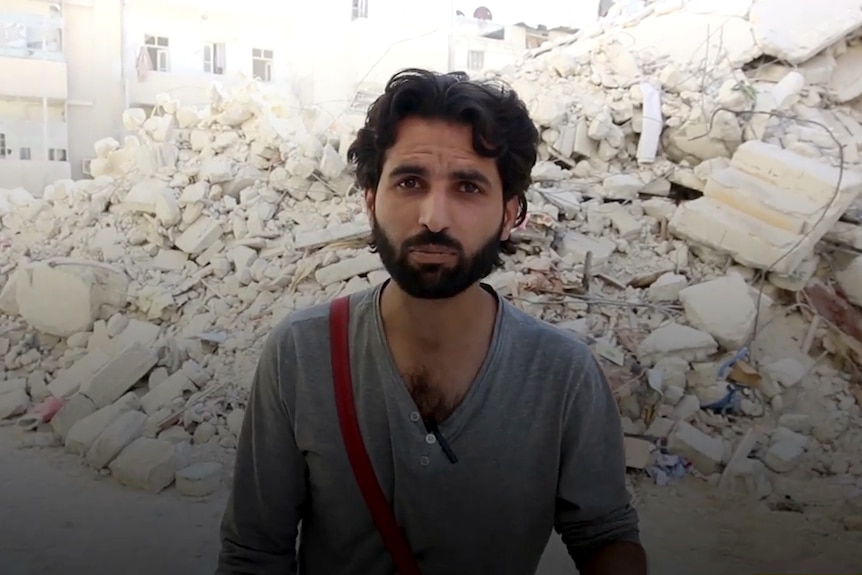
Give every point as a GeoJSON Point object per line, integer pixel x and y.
{"type": "Point", "coordinates": [431, 249]}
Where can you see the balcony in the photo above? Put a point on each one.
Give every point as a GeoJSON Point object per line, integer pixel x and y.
{"type": "Point", "coordinates": [32, 78]}
{"type": "Point", "coordinates": [31, 56]}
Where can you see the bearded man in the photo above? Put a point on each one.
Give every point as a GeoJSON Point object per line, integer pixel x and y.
{"type": "Point", "coordinates": [483, 428]}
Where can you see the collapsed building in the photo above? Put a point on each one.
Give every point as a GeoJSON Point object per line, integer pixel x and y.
{"type": "Point", "coordinates": [693, 218]}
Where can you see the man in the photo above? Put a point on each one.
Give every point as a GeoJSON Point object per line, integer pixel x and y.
{"type": "Point", "coordinates": [486, 427]}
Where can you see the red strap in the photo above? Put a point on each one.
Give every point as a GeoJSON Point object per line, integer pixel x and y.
{"type": "Point", "coordinates": [384, 519]}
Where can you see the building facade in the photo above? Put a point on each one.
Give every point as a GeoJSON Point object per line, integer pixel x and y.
{"type": "Point", "coordinates": [78, 64]}
{"type": "Point", "coordinates": [33, 94]}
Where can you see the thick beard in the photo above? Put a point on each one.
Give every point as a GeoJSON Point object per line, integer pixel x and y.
{"type": "Point", "coordinates": [435, 281]}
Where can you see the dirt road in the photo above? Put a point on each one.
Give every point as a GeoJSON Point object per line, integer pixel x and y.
{"type": "Point", "coordinates": [59, 518]}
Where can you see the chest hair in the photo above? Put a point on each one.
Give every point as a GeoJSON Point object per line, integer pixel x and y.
{"type": "Point", "coordinates": [433, 398]}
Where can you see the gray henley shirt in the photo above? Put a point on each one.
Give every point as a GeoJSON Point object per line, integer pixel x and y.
{"type": "Point", "coordinates": [538, 442]}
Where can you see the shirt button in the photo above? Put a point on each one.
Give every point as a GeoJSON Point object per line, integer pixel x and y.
{"type": "Point", "coordinates": [430, 439]}
{"type": "Point", "coordinates": [414, 416]}
{"type": "Point", "coordinates": [424, 460]}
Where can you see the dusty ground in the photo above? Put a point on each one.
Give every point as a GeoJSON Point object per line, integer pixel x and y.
{"type": "Point", "coordinates": [60, 518]}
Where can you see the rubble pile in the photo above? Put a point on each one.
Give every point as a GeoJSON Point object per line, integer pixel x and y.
{"type": "Point", "coordinates": [135, 302]}
{"type": "Point", "coordinates": [705, 253]}
{"type": "Point", "coordinates": [753, 116]}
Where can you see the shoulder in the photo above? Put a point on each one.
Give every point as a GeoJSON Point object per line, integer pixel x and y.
{"type": "Point", "coordinates": [309, 327]}
{"type": "Point", "coordinates": [558, 353]}
{"type": "Point", "coordinates": [546, 338]}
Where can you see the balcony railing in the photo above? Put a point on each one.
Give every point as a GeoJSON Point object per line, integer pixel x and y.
{"type": "Point", "coordinates": [31, 36]}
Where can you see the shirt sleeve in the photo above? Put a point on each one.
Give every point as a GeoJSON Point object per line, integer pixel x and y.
{"type": "Point", "coordinates": [593, 505]}
{"type": "Point", "coordinates": [260, 524]}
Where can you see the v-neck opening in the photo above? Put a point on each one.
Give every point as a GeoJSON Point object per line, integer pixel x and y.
{"type": "Point", "coordinates": [452, 426]}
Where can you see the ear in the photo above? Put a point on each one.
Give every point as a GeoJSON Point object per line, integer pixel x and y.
{"type": "Point", "coordinates": [369, 201]}
{"type": "Point", "coordinates": [510, 212]}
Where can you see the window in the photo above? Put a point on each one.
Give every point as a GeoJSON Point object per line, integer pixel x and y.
{"type": "Point", "coordinates": [214, 58]}
{"type": "Point", "coordinates": [44, 36]}
{"type": "Point", "coordinates": [157, 50]}
{"type": "Point", "coordinates": [57, 155]}
{"type": "Point", "coordinates": [261, 64]}
{"type": "Point", "coordinates": [31, 36]}
{"type": "Point", "coordinates": [360, 9]}
{"type": "Point", "coordinates": [24, 153]}
{"type": "Point", "coordinates": [3, 151]}
{"type": "Point", "coordinates": [475, 60]}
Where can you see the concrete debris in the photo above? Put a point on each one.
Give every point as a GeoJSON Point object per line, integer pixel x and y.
{"type": "Point", "coordinates": [150, 464]}
{"type": "Point", "coordinates": [199, 480]}
{"type": "Point", "coordinates": [84, 432]}
{"type": "Point", "coordinates": [688, 193]}
{"type": "Point", "coordinates": [115, 437]}
{"type": "Point", "coordinates": [723, 308]}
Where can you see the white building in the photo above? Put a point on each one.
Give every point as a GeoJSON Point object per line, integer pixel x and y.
{"type": "Point", "coordinates": [78, 63]}
{"type": "Point", "coordinates": [33, 93]}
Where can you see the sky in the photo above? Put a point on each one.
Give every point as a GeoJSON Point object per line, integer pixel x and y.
{"type": "Point", "coordinates": [551, 13]}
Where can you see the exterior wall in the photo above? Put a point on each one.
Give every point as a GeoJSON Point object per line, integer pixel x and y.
{"type": "Point", "coordinates": [496, 54]}
{"type": "Point", "coordinates": [32, 78]}
{"type": "Point", "coordinates": [35, 135]}
{"type": "Point", "coordinates": [96, 100]}
{"type": "Point", "coordinates": [35, 125]}
{"type": "Point", "coordinates": [33, 129]}
{"type": "Point", "coordinates": [188, 28]}
{"type": "Point", "coordinates": [364, 52]}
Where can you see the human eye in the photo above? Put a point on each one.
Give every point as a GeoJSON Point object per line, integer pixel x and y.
{"type": "Point", "coordinates": [469, 188]}
{"type": "Point", "coordinates": [409, 183]}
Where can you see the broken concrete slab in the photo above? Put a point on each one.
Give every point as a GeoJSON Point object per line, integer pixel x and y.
{"type": "Point", "coordinates": [844, 83]}
{"type": "Point", "coordinates": [163, 394]}
{"type": "Point", "coordinates": [638, 452]}
{"type": "Point", "coordinates": [849, 279]}
{"type": "Point", "coordinates": [199, 236]}
{"type": "Point", "coordinates": [676, 340]}
{"type": "Point", "coordinates": [149, 464]}
{"type": "Point", "coordinates": [119, 375]}
{"type": "Point", "coordinates": [769, 208]}
{"type": "Point", "coordinates": [785, 31]}
{"type": "Point", "coordinates": [801, 177]}
{"type": "Point", "coordinates": [346, 269]}
{"type": "Point", "coordinates": [59, 301]}
{"type": "Point", "coordinates": [313, 239]}
{"type": "Point", "coordinates": [704, 451]}
{"type": "Point", "coordinates": [199, 479]}
{"type": "Point", "coordinates": [722, 308]}
{"type": "Point", "coordinates": [83, 433]}
{"type": "Point", "coordinates": [785, 450]}
{"type": "Point", "coordinates": [14, 401]}
{"type": "Point", "coordinates": [74, 409]}
{"type": "Point", "coordinates": [787, 371]}
{"type": "Point", "coordinates": [576, 246]}
{"type": "Point", "coordinates": [136, 332]}
{"type": "Point", "coordinates": [667, 287]}
{"type": "Point", "coordinates": [68, 381]}
{"type": "Point", "coordinates": [116, 436]}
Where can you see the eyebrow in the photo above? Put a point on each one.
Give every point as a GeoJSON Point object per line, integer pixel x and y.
{"type": "Point", "coordinates": [461, 174]}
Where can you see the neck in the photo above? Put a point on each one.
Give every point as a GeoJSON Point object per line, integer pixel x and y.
{"type": "Point", "coordinates": [436, 323]}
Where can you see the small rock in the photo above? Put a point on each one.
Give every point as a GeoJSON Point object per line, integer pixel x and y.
{"type": "Point", "coordinates": [199, 480]}
{"type": "Point", "coordinates": [149, 464]}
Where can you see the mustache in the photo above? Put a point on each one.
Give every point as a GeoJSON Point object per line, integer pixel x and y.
{"type": "Point", "coordinates": [429, 238]}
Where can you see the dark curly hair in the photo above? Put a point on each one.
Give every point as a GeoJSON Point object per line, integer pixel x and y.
{"type": "Point", "coordinates": [502, 128]}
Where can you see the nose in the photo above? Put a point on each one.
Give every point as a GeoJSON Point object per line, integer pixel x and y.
{"type": "Point", "coordinates": [435, 209]}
